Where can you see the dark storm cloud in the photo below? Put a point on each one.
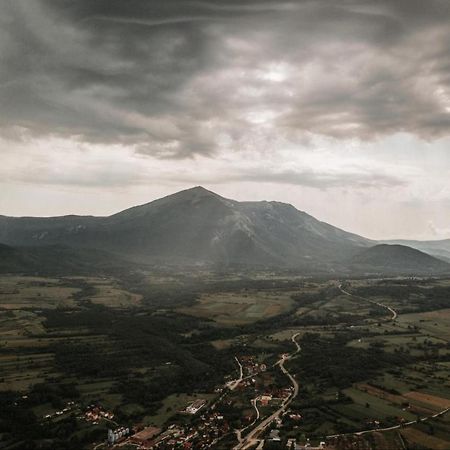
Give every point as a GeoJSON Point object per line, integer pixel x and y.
{"type": "Point", "coordinates": [178, 78]}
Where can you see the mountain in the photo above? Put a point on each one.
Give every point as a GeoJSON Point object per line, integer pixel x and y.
{"type": "Point", "coordinates": [196, 226]}
{"type": "Point", "coordinates": [438, 248]}
{"type": "Point", "coordinates": [10, 259]}
{"type": "Point", "coordinates": [57, 259]}
{"type": "Point", "coordinates": [384, 258]}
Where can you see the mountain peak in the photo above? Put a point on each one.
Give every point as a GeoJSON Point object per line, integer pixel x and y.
{"type": "Point", "coordinates": [198, 190]}
{"type": "Point", "coordinates": [193, 194]}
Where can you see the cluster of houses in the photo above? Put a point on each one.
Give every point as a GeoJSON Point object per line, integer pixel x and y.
{"type": "Point", "coordinates": [69, 406]}
{"type": "Point", "coordinates": [201, 435]}
{"type": "Point", "coordinates": [209, 425]}
{"type": "Point", "coordinates": [251, 366]}
{"type": "Point", "coordinates": [273, 396]}
{"type": "Point", "coordinates": [95, 412]}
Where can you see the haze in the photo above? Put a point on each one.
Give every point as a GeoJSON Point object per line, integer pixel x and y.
{"type": "Point", "coordinates": [340, 108]}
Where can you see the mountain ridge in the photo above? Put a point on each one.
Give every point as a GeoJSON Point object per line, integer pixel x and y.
{"type": "Point", "coordinates": [439, 248]}
{"type": "Point", "coordinates": [196, 227]}
{"type": "Point", "coordinates": [395, 258]}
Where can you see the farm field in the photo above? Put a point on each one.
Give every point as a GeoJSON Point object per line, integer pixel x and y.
{"type": "Point", "coordinates": [31, 292]}
{"type": "Point", "coordinates": [434, 323]}
{"type": "Point", "coordinates": [238, 308]}
{"type": "Point", "coordinates": [172, 405]}
{"type": "Point", "coordinates": [109, 295]}
{"type": "Point", "coordinates": [27, 345]}
{"type": "Point", "coordinates": [144, 350]}
{"type": "Point", "coordinates": [424, 439]}
{"type": "Point", "coordinates": [366, 405]}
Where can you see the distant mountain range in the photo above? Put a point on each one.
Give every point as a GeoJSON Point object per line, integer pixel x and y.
{"type": "Point", "coordinates": [438, 248]}
{"type": "Point", "coordinates": [397, 259]}
{"type": "Point", "coordinates": [197, 227]}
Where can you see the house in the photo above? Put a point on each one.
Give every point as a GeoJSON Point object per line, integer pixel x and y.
{"type": "Point", "coordinates": [296, 417]}
{"type": "Point", "coordinates": [265, 399]}
{"type": "Point", "coordinates": [275, 436]}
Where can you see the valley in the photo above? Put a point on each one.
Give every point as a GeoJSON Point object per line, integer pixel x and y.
{"type": "Point", "coordinates": [224, 225]}
{"type": "Point", "coordinates": [270, 359]}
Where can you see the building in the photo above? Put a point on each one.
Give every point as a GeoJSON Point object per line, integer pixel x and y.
{"type": "Point", "coordinates": [265, 399]}
{"type": "Point", "coordinates": [275, 436]}
{"type": "Point", "coordinates": [145, 438]}
{"type": "Point", "coordinates": [195, 406]}
{"type": "Point", "coordinates": [116, 435]}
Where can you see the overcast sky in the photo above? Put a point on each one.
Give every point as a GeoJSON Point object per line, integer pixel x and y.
{"type": "Point", "coordinates": [341, 108]}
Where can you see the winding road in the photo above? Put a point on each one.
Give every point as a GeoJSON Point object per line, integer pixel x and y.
{"type": "Point", "coordinates": [233, 384]}
{"type": "Point", "coordinates": [394, 316]}
{"type": "Point", "coordinates": [251, 438]}
{"type": "Point", "coordinates": [257, 416]}
{"type": "Point", "coordinates": [392, 311]}
{"type": "Point", "coordinates": [395, 427]}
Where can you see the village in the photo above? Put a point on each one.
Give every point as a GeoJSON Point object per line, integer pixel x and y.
{"type": "Point", "coordinates": [210, 421]}
{"type": "Point", "coordinates": [253, 406]}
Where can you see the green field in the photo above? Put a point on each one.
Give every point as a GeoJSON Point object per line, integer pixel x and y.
{"type": "Point", "coordinates": [18, 293]}
{"type": "Point", "coordinates": [173, 404]}
{"type": "Point", "coordinates": [238, 308]}
{"type": "Point", "coordinates": [146, 347]}
{"type": "Point", "coordinates": [433, 323]}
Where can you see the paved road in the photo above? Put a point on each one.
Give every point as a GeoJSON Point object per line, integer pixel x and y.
{"type": "Point", "coordinates": [233, 384]}
{"type": "Point", "coordinates": [251, 439]}
{"type": "Point", "coordinates": [392, 311]}
{"type": "Point", "coordinates": [395, 427]}
{"type": "Point", "coordinates": [254, 403]}
{"type": "Point", "coordinates": [394, 315]}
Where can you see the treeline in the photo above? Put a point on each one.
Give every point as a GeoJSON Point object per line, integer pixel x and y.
{"type": "Point", "coordinates": [413, 297]}
{"type": "Point", "coordinates": [399, 292]}
{"type": "Point", "coordinates": [123, 342]}
{"type": "Point", "coordinates": [331, 363]}
{"type": "Point", "coordinates": [20, 428]}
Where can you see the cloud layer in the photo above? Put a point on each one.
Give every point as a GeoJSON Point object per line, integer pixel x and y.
{"type": "Point", "coordinates": [178, 78]}
{"type": "Point", "coordinates": [316, 95]}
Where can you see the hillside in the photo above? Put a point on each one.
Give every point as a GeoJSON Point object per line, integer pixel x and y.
{"type": "Point", "coordinates": [195, 226]}
{"type": "Point", "coordinates": [438, 248]}
{"type": "Point", "coordinates": [386, 258]}
{"type": "Point", "coordinates": [57, 259]}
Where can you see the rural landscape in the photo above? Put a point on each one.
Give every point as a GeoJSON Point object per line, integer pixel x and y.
{"type": "Point", "coordinates": [110, 352]}
{"type": "Point", "coordinates": [224, 225]}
